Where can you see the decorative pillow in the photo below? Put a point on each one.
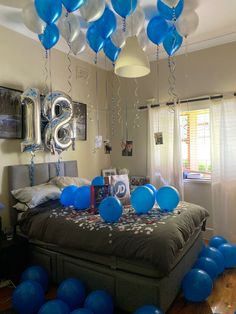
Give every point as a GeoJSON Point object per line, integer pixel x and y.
{"type": "Point", "coordinates": [36, 195]}
{"type": "Point", "coordinates": [62, 182]}
{"type": "Point", "coordinates": [120, 185]}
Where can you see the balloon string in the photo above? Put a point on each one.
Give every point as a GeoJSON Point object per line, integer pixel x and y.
{"type": "Point", "coordinates": [172, 81]}
{"type": "Point", "coordinates": [118, 104]}
{"type": "Point", "coordinates": [113, 101]}
{"type": "Point", "coordinates": [31, 169]}
{"type": "Point", "coordinates": [45, 89]}
{"type": "Point", "coordinates": [158, 79]}
{"type": "Point", "coordinates": [136, 106]}
{"type": "Point", "coordinates": [69, 70]}
{"type": "Point", "coordinates": [126, 122]}
{"type": "Point", "coordinates": [124, 24]}
{"type": "Point", "coordinates": [96, 95]}
{"type": "Point", "coordinates": [89, 104]}
{"type": "Point", "coordinates": [50, 71]}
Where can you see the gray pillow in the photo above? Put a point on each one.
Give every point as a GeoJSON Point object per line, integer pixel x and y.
{"type": "Point", "coordinates": [36, 195]}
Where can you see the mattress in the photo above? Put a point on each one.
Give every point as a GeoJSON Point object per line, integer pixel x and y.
{"type": "Point", "coordinates": [156, 241]}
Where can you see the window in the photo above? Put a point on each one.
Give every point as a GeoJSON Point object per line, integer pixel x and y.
{"type": "Point", "coordinates": [195, 136]}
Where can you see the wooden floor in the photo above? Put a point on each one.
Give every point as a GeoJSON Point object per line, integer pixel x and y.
{"type": "Point", "coordinates": [221, 301]}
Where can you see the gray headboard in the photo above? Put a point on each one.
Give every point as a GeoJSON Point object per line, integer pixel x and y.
{"type": "Point", "coordinates": [19, 177]}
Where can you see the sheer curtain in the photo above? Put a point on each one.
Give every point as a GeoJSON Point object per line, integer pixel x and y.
{"type": "Point", "coordinates": [223, 151]}
{"type": "Point", "coordinates": [164, 161]}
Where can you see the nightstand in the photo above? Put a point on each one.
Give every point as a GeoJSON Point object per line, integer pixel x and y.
{"type": "Point", "coordinates": [13, 258]}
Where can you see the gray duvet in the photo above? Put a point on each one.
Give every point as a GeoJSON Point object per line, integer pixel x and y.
{"type": "Point", "coordinates": [156, 238]}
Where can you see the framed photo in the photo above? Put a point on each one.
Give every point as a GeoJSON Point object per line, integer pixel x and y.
{"type": "Point", "coordinates": [127, 148]}
{"type": "Point", "coordinates": [79, 121]}
{"type": "Point", "coordinates": [10, 113]}
{"type": "Point", "coordinates": [109, 172]}
{"type": "Point", "coordinates": [158, 138]}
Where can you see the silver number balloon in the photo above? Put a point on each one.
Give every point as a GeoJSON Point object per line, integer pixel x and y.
{"type": "Point", "coordinates": [32, 127]}
{"type": "Point", "coordinates": [69, 25]}
{"type": "Point", "coordinates": [78, 44]}
{"type": "Point", "coordinates": [31, 19]}
{"type": "Point", "coordinates": [92, 10]}
{"type": "Point", "coordinates": [58, 132]}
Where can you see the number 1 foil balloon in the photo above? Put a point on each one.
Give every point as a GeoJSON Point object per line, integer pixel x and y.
{"type": "Point", "coordinates": [58, 132]}
{"type": "Point", "coordinates": [32, 141]}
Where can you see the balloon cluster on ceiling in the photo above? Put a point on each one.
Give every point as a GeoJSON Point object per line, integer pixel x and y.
{"type": "Point", "coordinates": [107, 30]}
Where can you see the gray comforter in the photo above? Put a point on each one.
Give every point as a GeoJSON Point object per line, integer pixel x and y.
{"type": "Point", "coordinates": [156, 238]}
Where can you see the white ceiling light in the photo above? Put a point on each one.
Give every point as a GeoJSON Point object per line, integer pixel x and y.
{"type": "Point", "coordinates": [132, 61]}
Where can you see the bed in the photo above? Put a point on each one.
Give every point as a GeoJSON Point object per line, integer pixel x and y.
{"type": "Point", "coordinates": [141, 260]}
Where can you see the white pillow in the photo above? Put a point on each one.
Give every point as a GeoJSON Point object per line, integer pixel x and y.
{"type": "Point", "coordinates": [21, 207]}
{"type": "Point", "coordinates": [63, 182]}
{"type": "Point", "coordinates": [36, 195]}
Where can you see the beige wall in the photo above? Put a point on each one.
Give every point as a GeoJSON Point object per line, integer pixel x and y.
{"type": "Point", "coordinates": [22, 66]}
{"type": "Point", "coordinates": [203, 72]}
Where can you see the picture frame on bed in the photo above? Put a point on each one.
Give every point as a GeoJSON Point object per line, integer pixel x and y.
{"type": "Point", "coordinates": [10, 113]}
{"type": "Point", "coordinates": [79, 121]}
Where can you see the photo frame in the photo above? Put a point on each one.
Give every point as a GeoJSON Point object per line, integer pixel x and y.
{"type": "Point", "coordinates": [10, 113]}
{"type": "Point", "coordinates": [79, 121]}
{"type": "Point", "coordinates": [109, 172]}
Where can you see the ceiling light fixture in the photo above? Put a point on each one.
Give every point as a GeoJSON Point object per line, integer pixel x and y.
{"type": "Point", "coordinates": [132, 61]}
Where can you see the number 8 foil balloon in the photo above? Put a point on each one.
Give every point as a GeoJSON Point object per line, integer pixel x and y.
{"type": "Point", "coordinates": [58, 110]}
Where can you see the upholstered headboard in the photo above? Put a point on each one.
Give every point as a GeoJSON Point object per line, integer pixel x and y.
{"type": "Point", "coordinates": [19, 177]}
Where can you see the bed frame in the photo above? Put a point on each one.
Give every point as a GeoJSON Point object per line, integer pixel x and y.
{"type": "Point", "coordinates": [130, 289]}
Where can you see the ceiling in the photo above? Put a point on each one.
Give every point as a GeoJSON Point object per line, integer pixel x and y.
{"type": "Point", "coordinates": [217, 25]}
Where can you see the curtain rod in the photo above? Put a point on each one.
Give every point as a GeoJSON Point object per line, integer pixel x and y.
{"type": "Point", "coordinates": [184, 101]}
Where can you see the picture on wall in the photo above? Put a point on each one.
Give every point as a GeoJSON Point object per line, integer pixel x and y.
{"type": "Point", "coordinates": [79, 121]}
{"type": "Point", "coordinates": [127, 148]}
{"type": "Point", "coordinates": [10, 113]}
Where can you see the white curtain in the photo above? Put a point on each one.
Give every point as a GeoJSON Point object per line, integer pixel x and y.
{"type": "Point", "coordinates": [223, 151]}
{"type": "Point", "coordinates": [164, 161]}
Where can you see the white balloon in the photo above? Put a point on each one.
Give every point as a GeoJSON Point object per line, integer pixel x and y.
{"type": "Point", "coordinates": [92, 10]}
{"type": "Point", "coordinates": [31, 19]}
{"type": "Point", "coordinates": [78, 44]}
{"type": "Point", "coordinates": [69, 26]}
{"type": "Point", "coordinates": [191, 4]}
{"type": "Point", "coordinates": [187, 23]}
{"type": "Point", "coordinates": [135, 22]}
{"type": "Point", "coordinates": [143, 40]}
{"type": "Point", "coordinates": [119, 38]}
{"type": "Point", "coordinates": [171, 3]}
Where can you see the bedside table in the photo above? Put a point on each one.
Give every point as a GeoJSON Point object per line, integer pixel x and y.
{"type": "Point", "coordinates": [13, 258]}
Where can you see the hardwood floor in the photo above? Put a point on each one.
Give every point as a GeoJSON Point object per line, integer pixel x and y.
{"type": "Point", "coordinates": [221, 301]}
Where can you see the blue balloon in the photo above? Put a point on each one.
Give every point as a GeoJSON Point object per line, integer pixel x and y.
{"type": "Point", "coordinates": [98, 181]}
{"type": "Point", "coordinates": [106, 24]}
{"type": "Point", "coordinates": [38, 274]}
{"type": "Point", "coordinates": [94, 38]}
{"type": "Point", "coordinates": [67, 195]}
{"type": "Point", "coordinates": [82, 311]}
{"type": "Point", "coordinates": [48, 10]}
{"type": "Point", "coordinates": [216, 241]}
{"type": "Point", "coordinates": [148, 309]}
{"type": "Point", "coordinates": [28, 297]}
{"type": "Point", "coordinates": [54, 306]}
{"type": "Point", "coordinates": [99, 302]}
{"type": "Point", "coordinates": [50, 36]}
{"type": "Point", "coordinates": [172, 42]}
{"type": "Point", "coordinates": [217, 257]}
{"type": "Point", "coordinates": [167, 198]}
{"type": "Point", "coordinates": [82, 197]}
{"type": "Point", "coordinates": [170, 13]}
{"type": "Point", "coordinates": [197, 285]}
{"type": "Point", "coordinates": [73, 5]}
{"type": "Point", "coordinates": [152, 187]}
{"type": "Point", "coordinates": [208, 265]}
{"type": "Point", "coordinates": [72, 291]}
{"type": "Point", "coordinates": [123, 7]}
{"type": "Point", "coordinates": [111, 51]}
{"type": "Point", "coordinates": [157, 30]}
{"type": "Point", "coordinates": [229, 253]}
{"type": "Point", "coordinates": [142, 200]}
{"type": "Point", "coordinates": [110, 209]}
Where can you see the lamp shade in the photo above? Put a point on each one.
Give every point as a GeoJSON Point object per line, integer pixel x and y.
{"type": "Point", "coordinates": [132, 61]}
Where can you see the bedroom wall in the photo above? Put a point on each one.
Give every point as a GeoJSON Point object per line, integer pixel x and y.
{"type": "Point", "coordinates": [22, 66]}
{"type": "Point", "coordinates": [203, 72]}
